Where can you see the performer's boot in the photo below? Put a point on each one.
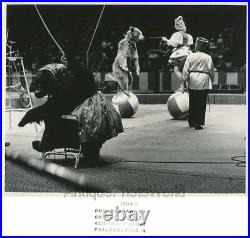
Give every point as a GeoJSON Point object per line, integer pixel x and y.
{"type": "Point", "coordinates": [199, 127]}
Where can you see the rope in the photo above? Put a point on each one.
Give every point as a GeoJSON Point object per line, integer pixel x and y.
{"type": "Point", "coordinates": [90, 43]}
{"type": "Point", "coordinates": [239, 162]}
{"type": "Point", "coordinates": [63, 54]}
{"type": "Point", "coordinates": [235, 160]}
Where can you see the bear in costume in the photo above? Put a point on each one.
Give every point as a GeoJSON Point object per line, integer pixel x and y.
{"type": "Point", "coordinates": [71, 90]}
{"type": "Point", "coordinates": [65, 92]}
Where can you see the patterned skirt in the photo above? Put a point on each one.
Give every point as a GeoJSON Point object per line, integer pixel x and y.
{"type": "Point", "coordinates": [98, 120]}
{"type": "Point", "coordinates": [178, 57]}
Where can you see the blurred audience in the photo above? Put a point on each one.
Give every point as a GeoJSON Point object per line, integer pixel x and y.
{"type": "Point", "coordinates": [222, 48]}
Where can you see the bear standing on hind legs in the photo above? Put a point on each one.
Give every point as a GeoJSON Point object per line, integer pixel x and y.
{"type": "Point", "coordinates": [126, 66]}
{"type": "Point", "coordinates": [72, 90]}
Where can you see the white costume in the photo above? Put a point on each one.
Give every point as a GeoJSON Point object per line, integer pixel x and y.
{"type": "Point", "coordinates": [181, 42]}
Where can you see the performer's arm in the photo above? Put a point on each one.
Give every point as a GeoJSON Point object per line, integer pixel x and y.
{"type": "Point", "coordinates": [190, 40]}
{"type": "Point", "coordinates": [175, 40]}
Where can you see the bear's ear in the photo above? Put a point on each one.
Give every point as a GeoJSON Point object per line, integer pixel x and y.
{"type": "Point", "coordinates": [131, 28]}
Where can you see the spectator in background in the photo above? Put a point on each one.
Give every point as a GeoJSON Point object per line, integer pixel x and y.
{"type": "Point", "coordinates": [219, 62]}
{"type": "Point", "coordinates": [220, 43]}
{"type": "Point", "coordinates": [106, 55]}
{"type": "Point", "coordinates": [212, 45]}
{"type": "Point", "coordinates": [229, 61]}
{"type": "Point", "coordinates": [212, 48]}
{"type": "Point", "coordinates": [229, 66]}
{"type": "Point", "coordinates": [34, 68]}
{"type": "Point", "coordinates": [228, 34]}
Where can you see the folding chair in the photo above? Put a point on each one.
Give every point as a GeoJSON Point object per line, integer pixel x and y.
{"type": "Point", "coordinates": [69, 140]}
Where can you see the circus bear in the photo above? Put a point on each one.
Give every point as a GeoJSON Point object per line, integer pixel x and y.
{"type": "Point", "coordinates": [126, 64]}
{"type": "Point", "coordinates": [71, 90]}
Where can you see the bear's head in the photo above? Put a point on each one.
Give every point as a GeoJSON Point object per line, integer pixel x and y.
{"type": "Point", "coordinates": [50, 79]}
{"type": "Point", "coordinates": [134, 34]}
{"type": "Point", "coordinates": [45, 84]}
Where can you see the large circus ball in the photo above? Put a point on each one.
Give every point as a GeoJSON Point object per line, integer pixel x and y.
{"type": "Point", "coordinates": [178, 105]}
{"type": "Point", "coordinates": [125, 104]}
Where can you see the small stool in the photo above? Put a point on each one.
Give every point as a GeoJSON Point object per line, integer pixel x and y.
{"type": "Point", "coordinates": [68, 151]}
{"type": "Point", "coordinates": [76, 153]}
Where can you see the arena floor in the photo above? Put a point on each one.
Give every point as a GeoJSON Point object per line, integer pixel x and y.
{"type": "Point", "coordinates": [154, 154]}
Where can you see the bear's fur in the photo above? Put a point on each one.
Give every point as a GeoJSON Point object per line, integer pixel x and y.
{"type": "Point", "coordinates": [66, 90]}
{"type": "Point", "coordinates": [64, 95]}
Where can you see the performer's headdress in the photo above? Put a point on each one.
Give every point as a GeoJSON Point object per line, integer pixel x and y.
{"type": "Point", "coordinates": [201, 44]}
{"type": "Point", "coordinates": [179, 24]}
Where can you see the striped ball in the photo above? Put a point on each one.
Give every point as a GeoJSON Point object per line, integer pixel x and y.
{"type": "Point", "coordinates": [125, 105]}
{"type": "Point", "coordinates": [178, 105]}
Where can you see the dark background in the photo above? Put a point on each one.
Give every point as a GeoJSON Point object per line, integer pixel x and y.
{"type": "Point", "coordinates": [73, 26]}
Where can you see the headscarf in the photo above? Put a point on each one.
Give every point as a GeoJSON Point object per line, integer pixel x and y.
{"type": "Point", "coordinates": [179, 24]}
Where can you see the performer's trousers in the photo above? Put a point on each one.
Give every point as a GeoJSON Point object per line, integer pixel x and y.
{"type": "Point", "coordinates": [197, 107]}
